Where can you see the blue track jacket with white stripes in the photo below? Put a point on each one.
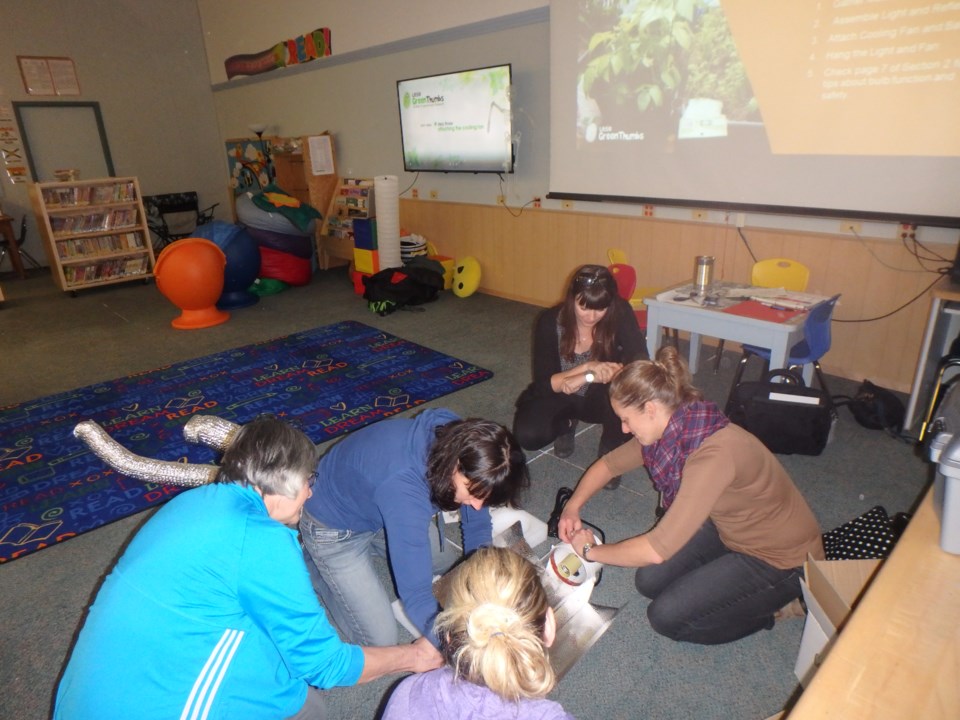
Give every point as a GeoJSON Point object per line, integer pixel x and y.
{"type": "Point", "coordinates": [208, 614]}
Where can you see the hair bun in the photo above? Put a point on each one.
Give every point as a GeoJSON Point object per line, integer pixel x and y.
{"type": "Point", "coordinates": [489, 620]}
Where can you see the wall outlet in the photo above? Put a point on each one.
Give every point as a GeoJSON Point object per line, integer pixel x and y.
{"type": "Point", "coordinates": [434, 194]}
{"type": "Point", "coordinates": [908, 232]}
{"type": "Point", "coordinates": [741, 219]}
{"type": "Point", "coordinates": [414, 193]}
{"type": "Point", "coordinates": [536, 202]}
{"type": "Point", "coordinates": [699, 214]}
{"type": "Point", "coordinates": [501, 200]}
{"type": "Point", "coordinates": [850, 226]}
{"type": "Point", "coordinates": [648, 210]}
{"type": "Point", "coordinates": [566, 204]}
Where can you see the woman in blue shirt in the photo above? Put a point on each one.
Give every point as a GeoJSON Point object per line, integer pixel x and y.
{"type": "Point", "coordinates": [377, 493]}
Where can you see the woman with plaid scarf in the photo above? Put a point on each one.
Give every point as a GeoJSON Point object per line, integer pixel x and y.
{"type": "Point", "coordinates": [726, 558]}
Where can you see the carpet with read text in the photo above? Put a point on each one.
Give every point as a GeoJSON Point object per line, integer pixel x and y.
{"type": "Point", "coordinates": [328, 381]}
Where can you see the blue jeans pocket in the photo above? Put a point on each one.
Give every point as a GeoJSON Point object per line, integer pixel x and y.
{"type": "Point", "coordinates": [324, 536]}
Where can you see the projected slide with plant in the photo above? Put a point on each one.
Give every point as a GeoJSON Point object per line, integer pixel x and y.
{"type": "Point", "coordinates": [820, 76]}
{"type": "Point", "coordinates": [819, 105]}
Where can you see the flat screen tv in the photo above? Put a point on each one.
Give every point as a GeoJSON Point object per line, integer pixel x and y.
{"type": "Point", "coordinates": [458, 121]}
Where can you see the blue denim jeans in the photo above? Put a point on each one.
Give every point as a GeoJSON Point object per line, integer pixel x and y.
{"type": "Point", "coordinates": [345, 578]}
{"type": "Point", "coordinates": [708, 594]}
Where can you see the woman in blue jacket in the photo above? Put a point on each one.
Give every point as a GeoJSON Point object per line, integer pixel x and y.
{"type": "Point", "coordinates": [210, 612]}
{"type": "Point", "coordinates": [378, 492]}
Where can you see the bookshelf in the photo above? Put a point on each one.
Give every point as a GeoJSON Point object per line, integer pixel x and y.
{"type": "Point", "coordinates": [94, 231]}
{"type": "Point", "coordinates": [352, 200]}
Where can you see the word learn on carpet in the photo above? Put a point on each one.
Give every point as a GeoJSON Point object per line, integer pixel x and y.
{"type": "Point", "coordinates": [328, 381]}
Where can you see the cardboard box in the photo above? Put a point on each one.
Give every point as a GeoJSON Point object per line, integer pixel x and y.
{"type": "Point", "coordinates": [831, 589]}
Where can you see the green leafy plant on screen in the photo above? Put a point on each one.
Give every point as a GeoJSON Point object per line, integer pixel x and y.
{"type": "Point", "coordinates": [639, 60]}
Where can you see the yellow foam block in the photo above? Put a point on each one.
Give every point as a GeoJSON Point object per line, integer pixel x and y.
{"type": "Point", "coordinates": [366, 261]}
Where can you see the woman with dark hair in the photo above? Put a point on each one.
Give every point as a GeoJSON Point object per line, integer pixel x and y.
{"type": "Point", "coordinates": [377, 494]}
{"type": "Point", "coordinates": [210, 612]}
{"type": "Point", "coordinates": [578, 346]}
{"type": "Point", "coordinates": [726, 558]}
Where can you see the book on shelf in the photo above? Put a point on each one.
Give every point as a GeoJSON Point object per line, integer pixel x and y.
{"type": "Point", "coordinates": [90, 194]}
{"type": "Point", "coordinates": [105, 244]}
{"type": "Point", "coordinates": [105, 270]}
{"type": "Point", "coordinates": [64, 225]}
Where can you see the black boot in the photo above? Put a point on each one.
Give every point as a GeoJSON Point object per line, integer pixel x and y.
{"type": "Point", "coordinates": [565, 444]}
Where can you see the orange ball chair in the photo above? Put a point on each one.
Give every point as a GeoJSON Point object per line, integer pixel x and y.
{"type": "Point", "coordinates": [189, 274]}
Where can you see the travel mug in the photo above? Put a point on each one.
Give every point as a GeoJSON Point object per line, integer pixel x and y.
{"type": "Point", "coordinates": [703, 273]}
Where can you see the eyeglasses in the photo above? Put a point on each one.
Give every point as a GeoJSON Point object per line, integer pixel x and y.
{"type": "Point", "coordinates": [312, 479]}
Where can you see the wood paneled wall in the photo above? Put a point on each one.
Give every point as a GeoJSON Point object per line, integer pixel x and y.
{"type": "Point", "coordinates": [529, 258]}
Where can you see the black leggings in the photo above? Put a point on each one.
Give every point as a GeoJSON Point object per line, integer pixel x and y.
{"type": "Point", "coordinates": [542, 416]}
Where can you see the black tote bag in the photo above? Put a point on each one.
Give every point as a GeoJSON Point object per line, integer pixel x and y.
{"type": "Point", "coordinates": [788, 417]}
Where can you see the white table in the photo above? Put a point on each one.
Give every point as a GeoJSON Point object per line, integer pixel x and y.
{"type": "Point", "coordinates": [697, 319]}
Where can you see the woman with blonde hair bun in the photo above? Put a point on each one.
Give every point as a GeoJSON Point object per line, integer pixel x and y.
{"type": "Point", "coordinates": [494, 633]}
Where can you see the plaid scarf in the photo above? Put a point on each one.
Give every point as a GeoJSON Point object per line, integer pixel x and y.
{"type": "Point", "coordinates": [688, 427]}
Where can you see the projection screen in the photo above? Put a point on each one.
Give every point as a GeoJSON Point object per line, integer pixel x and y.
{"type": "Point", "coordinates": [830, 107]}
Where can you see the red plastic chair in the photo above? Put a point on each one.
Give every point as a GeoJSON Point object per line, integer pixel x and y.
{"type": "Point", "coordinates": [626, 279]}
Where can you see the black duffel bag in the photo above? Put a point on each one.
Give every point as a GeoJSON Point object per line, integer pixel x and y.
{"type": "Point", "coordinates": [788, 417]}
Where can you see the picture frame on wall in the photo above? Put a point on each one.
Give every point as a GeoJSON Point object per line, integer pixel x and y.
{"type": "Point", "coordinates": [48, 75]}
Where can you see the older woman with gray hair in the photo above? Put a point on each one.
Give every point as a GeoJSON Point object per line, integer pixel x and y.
{"type": "Point", "coordinates": [210, 611]}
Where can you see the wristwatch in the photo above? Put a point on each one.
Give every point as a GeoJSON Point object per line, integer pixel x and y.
{"type": "Point", "coordinates": [587, 547]}
{"type": "Point", "coordinates": [589, 376]}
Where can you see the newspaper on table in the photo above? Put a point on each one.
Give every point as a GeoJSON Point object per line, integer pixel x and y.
{"type": "Point", "coordinates": [726, 294]}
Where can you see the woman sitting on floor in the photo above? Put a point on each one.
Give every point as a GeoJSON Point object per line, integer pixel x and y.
{"type": "Point", "coordinates": [730, 548]}
{"type": "Point", "coordinates": [494, 630]}
{"type": "Point", "coordinates": [578, 346]}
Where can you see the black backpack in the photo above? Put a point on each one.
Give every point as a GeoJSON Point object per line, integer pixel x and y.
{"type": "Point", "coordinates": [398, 288]}
{"type": "Point", "coordinates": [875, 408]}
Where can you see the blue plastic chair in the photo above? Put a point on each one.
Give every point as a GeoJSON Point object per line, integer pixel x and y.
{"type": "Point", "coordinates": [815, 344]}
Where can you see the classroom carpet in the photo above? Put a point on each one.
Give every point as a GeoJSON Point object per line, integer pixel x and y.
{"type": "Point", "coordinates": [327, 381]}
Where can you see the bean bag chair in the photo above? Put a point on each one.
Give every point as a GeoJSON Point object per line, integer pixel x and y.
{"type": "Point", "coordinates": [283, 266]}
{"type": "Point", "coordinates": [275, 199]}
{"type": "Point", "coordinates": [243, 262]}
{"type": "Point", "coordinates": [291, 244]}
{"type": "Point", "coordinates": [249, 214]}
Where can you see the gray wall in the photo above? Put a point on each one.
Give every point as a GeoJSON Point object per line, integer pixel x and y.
{"type": "Point", "coordinates": [145, 63]}
{"type": "Point", "coordinates": [357, 102]}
